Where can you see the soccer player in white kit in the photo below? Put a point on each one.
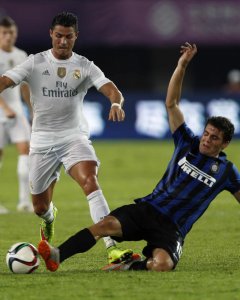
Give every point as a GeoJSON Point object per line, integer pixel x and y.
{"type": "Point", "coordinates": [14, 126]}
{"type": "Point", "coordinates": [59, 79]}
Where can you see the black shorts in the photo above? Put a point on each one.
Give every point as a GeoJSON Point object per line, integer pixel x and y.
{"type": "Point", "coordinates": [142, 221]}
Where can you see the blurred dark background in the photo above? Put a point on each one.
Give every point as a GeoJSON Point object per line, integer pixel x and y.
{"type": "Point", "coordinates": [136, 42]}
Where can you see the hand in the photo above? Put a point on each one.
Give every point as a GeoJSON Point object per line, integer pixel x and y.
{"type": "Point", "coordinates": [116, 114]}
{"type": "Point", "coordinates": [188, 51]}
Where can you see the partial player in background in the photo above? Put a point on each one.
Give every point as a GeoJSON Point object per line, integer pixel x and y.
{"type": "Point", "coordinates": [59, 79]}
{"type": "Point", "coordinates": [14, 126]}
{"type": "Point", "coordinates": [197, 173]}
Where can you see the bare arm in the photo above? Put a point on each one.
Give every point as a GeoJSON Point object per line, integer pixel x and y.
{"type": "Point", "coordinates": [25, 92]}
{"type": "Point", "coordinates": [175, 115]}
{"type": "Point", "coordinates": [237, 196]}
{"type": "Point", "coordinates": [110, 91]}
{"type": "Point", "coordinates": [5, 83]}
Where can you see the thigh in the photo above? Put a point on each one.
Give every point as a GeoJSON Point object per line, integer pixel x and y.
{"type": "Point", "coordinates": [20, 131]}
{"type": "Point", "coordinates": [44, 169]}
{"type": "Point", "coordinates": [77, 151]}
{"type": "Point", "coordinates": [130, 218]}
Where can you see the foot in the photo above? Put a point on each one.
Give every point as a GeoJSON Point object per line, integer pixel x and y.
{"type": "Point", "coordinates": [124, 265]}
{"type": "Point", "coordinates": [3, 210]}
{"type": "Point", "coordinates": [116, 255]}
{"type": "Point", "coordinates": [25, 207]}
{"type": "Point", "coordinates": [47, 229]}
{"type": "Point", "coordinates": [50, 255]}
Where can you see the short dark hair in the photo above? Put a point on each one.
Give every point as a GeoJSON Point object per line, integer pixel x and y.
{"type": "Point", "coordinates": [65, 19]}
{"type": "Point", "coordinates": [223, 124]}
{"type": "Point", "coordinates": [7, 22]}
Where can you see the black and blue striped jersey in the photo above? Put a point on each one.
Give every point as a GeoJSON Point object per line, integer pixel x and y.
{"type": "Point", "coordinates": [192, 180]}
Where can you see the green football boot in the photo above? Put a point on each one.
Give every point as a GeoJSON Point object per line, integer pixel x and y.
{"type": "Point", "coordinates": [47, 229]}
{"type": "Point", "coordinates": [116, 255]}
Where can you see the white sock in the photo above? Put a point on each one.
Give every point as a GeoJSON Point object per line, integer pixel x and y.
{"type": "Point", "coordinates": [23, 179]}
{"type": "Point", "coordinates": [48, 217]}
{"type": "Point", "coordinates": [98, 210]}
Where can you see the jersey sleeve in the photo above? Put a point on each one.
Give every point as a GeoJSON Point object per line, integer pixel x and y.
{"type": "Point", "coordinates": [183, 135]}
{"type": "Point", "coordinates": [97, 77]}
{"type": "Point", "coordinates": [233, 182]}
{"type": "Point", "coordinates": [21, 72]}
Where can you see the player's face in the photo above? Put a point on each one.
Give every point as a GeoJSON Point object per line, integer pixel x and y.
{"type": "Point", "coordinates": [211, 142]}
{"type": "Point", "coordinates": [8, 36]}
{"type": "Point", "coordinates": [63, 40]}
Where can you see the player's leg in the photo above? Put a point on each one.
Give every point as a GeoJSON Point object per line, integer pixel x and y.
{"type": "Point", "coordinates": [19, 134]}
{"type": "Point", "coordinates": [161, 261]}
{"type": "Point", "coordinates": [44, 172]}
{"type": "Point", "coordinates": [44, 208]}
{"type": "Point", "coordinates": [24, 203]}
{"type": "Point", "coordinates": [3, 210]}
{"type": "Point", "coordinates": [79, 243]}
{"type": "Point", "coordinates": [85, 173]}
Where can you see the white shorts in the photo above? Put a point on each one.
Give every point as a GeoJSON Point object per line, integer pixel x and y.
{"type": "Point", "coordinates": [15, 130]}
{"type": "Point", "coordinates": [45, 164]}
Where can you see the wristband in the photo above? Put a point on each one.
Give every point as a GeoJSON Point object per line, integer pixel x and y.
{"type": "Point", "coordinates": [116, 104]}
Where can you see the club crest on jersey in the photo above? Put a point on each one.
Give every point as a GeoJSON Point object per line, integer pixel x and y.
{"type": "Point", "coordinates": [215, 167]}
{"type": "Point", "coordinates": [61, 72]}
{"type": "Point", "coordinates": [76, 74]}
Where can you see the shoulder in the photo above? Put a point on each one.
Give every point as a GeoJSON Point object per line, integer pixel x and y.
{"type": "Point", "coordinates": [184, 131]}
{"type": "Point", "coordinates": [81, 60]}
{"type": "Point", "coordinates": [40, 57]}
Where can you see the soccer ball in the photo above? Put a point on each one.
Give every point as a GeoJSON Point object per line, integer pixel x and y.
{"type": "Point", "coordinates": [22, 258]}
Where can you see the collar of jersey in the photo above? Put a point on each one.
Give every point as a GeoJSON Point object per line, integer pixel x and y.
{"type": "Point", "coordinates": [62, 61]}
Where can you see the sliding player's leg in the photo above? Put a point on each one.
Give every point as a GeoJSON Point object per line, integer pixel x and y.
{"type": "Point", "coordinates": [85, 173]}
{"type": "Point", "coordinates": [80, 242]}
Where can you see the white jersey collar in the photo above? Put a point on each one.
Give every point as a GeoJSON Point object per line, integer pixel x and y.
{"type": "Point", "coordinates": [62, 61]}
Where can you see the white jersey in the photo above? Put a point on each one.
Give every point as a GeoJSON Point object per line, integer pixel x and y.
{"type": "Point", "coordinates": [8, 60]}
{"type": "Point", "coordinates": [57, 86]}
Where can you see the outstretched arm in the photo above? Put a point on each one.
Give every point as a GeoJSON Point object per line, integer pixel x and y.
{"type": "Point", "coordinates": [110, 91]}
{"type": "Point", "coordinates": [175, 115]}
{"type": "Point", "coordinates": [5, 83]}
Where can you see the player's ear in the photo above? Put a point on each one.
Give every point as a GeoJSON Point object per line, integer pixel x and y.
{"type": "Point", "coordinates": [77, 32]}
{"type": "Point", "coordinates": [51, 33]}
{"type": "Point", "coordinates": [224, 145]}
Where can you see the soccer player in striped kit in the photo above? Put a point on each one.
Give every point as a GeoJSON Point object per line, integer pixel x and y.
{"type": "Point", "coordinates": [196, 174]}
{"type": "Point", "coordinates": [59, 79]}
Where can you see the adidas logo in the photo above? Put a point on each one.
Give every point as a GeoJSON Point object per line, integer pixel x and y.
{"type": "Point", "coordinates": [46, 73]}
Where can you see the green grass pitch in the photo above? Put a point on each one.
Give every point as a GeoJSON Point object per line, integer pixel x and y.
{"type": "Point", "coordinates": [210, 264]}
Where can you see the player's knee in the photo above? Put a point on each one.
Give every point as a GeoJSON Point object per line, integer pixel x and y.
{"type": "Point", "coordinates": [109, 225]}
{"type": "Point", "coordinates": [162, 265]}
{"type": "Point", "coordinates": [90, 184]}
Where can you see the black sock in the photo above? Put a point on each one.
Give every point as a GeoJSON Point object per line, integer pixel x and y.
{"type": "Point", "coordinates": [139, 265]}
{"type": "Point", "coordinates": [78, 243]}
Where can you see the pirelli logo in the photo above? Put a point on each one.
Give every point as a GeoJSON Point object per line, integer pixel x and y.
{"type": "Point", "coordinates": [196, 173]}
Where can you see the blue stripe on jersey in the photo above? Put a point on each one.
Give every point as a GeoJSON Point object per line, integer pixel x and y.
{"type": "Point", "coordinates": [192, 180]}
